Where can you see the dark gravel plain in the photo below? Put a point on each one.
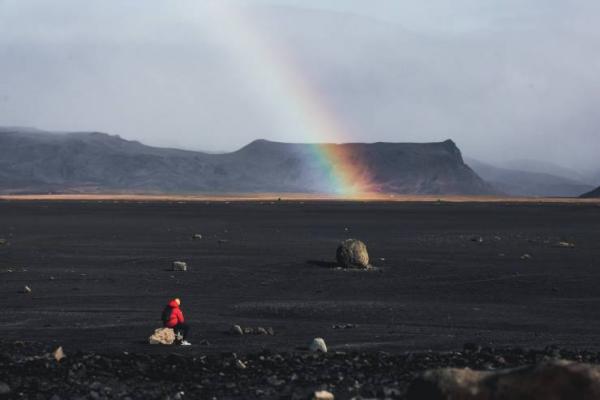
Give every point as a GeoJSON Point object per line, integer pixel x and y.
{"type": "Point", "coordinates": [446, 274]}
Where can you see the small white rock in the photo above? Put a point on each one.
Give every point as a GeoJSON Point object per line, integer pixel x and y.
{"type": "Point", "coordinates": [318, 344]}
{"type": "Point", "coordinates": [58, 354]}
{"type": "Point", "coordinates": [179, 266]}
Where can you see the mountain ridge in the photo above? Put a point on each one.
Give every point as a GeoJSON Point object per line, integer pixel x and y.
{"type": "Point", "coordinates": [38, 162]}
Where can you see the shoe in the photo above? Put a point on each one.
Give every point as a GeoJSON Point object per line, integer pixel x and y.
{"type": "Point", "coordinates": [185, 343]}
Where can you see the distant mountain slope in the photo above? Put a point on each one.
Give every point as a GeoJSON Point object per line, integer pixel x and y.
{"type": "Point", "coordinates": [34, 161]}
{"type": "Point", "coordinates": [526, 183]}
{"type": "Point", "coordinates": [594, 193]}
{"type": "Point", "coordinates": [545, 167]}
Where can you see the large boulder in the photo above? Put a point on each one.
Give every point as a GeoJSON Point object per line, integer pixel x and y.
{"type": "Point", "coordinates": [551, 380]}
{"type": "Point", "coordinates": [352, 253]}
{"type": "Point", "coordinates": [164, 336]}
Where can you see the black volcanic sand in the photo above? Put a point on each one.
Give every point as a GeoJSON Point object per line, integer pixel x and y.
{"type": "Point", "coordinates": [446, 274]}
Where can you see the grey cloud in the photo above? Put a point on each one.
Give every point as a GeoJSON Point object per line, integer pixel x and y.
{"type": "Point", "coordinates": [505, 79]}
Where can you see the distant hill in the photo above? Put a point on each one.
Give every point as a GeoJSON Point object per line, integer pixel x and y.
{"type": "Point", "coordinates": [517, 182]}
{"type": "Point", "coordinates": [545, 167]}
{"type": "Point", "coordinates": [593, 194]}
{"type": "Point", "coordinates": [32, 161]}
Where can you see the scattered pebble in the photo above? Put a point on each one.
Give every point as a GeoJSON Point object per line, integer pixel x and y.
{"type": "Point", "coordinates": [4, 388]}
{"type": "Point", "coordinates": [58, 354]}
{"type": "Point", "coordinates": [565, 244]}
{"type": "Point", "coordinates": [249, 330]}
{"type": "Point", "coordinates": [240, 364]}
{"type": "Point", "coordinates": [179, 395]}
{"type": "Point", "coordinates": [261, 331]}
{"type": "Point", "coordinates": [344, 326]}
{"type": "Point", "coordinates": [180, 266]}
{"type": "Point", "coordinates": [237, 330]}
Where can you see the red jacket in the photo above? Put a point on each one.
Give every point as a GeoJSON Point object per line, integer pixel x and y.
{"type": "Point", "coordinates": [176, 315]}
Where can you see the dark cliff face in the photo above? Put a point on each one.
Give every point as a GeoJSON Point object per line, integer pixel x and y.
{"type": "Point", "coordinates": [37, 162]}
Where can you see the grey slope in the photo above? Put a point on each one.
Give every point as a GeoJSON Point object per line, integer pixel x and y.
{"type": "Point", "coordinates": [592, 194]}
{"type": "Point", "coordinates": [517, 182]}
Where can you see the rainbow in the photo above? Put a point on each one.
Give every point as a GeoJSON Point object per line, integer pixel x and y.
{"type": "Point", "coordinates": [300, 107]}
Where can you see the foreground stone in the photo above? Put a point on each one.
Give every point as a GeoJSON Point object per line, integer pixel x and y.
{"type": "Point", "coordinates": [352, 253]}
{"type": "Point", "coordinates": [165, 336]}
{"type": "Point", "coordinates": [163, 373]}
{"type": "Point", "coordinates": [323, 395]}
{"type": "Point", "coordinates": [551, 380]}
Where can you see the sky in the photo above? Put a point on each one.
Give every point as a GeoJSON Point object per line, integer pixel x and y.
{"type": "Point", "coordinates": [505, 79]}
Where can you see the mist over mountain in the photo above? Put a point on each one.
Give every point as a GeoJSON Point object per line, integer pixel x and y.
{"type": "Point", "coordinates": [32, 161]}
{"type": "Point", "coordinates": [550, 168]}
{"type": "Point", "coordinates": [515, 80]}
{"type": "Point", "coordinates": [522, 182]}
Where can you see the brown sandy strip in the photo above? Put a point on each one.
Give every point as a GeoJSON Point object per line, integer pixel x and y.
{"type": "Point", "coordinates": [290, 197]}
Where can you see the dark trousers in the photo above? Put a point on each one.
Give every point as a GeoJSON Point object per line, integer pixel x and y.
{"type": "Point", "coordinates": [182, 329]}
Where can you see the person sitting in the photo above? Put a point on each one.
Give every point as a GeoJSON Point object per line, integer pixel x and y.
{"type": "Point", "coordinates": [173, 318]}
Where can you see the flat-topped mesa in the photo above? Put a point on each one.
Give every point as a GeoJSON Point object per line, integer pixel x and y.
{"type": "Point", "coordinates": [33, 161]}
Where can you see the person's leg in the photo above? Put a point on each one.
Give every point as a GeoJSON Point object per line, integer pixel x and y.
{"type": "Point", "coordinates": [181, 330]}
{"type": "Point", "coordinates": [185, 328]}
